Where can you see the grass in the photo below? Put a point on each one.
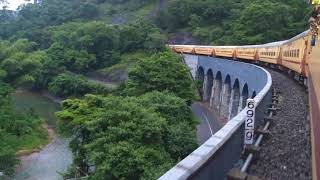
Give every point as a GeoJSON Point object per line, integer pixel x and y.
{"type": "Point", "coordinates": [34, 140]}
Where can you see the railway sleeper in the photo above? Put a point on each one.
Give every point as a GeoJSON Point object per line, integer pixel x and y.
{"type": "Point", "coordinates": [274, 104]}
{"type": "Point", "coordinates": [268, 119]}
{"type": "Point", "coordinates": [273, 110]}
{"type": "Point", "coordinates": [251, 149]}
{"type": "Point", "coordinates": [265, 133]}
{"type": "Point", "coordinates": [237, 174]}
{"type": "Point", "coordinates": [252, 177]}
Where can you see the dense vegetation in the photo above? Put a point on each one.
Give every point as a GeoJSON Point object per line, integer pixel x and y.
{"type": "Point", "coordinates": [141, 129]}
{"type": "Point", "coordinates": [233, 22]}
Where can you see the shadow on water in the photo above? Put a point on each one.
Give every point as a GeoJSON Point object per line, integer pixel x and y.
{"type": "Point", "coordinates": [53, 158]}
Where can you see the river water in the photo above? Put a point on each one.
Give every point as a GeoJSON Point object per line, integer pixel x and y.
{"type": "Point", "coordinates": [53, 158]}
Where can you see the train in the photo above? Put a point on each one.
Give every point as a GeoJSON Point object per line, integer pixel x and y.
{"type": "Point", "coordinates": [290, 55]}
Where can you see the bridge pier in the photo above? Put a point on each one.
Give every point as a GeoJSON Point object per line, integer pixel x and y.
{"type": "Point", "coordinates": [225, 104]}
{"type": "Point", "coordinates": [217, 92]}
{"type": "Point", "coordinates": [208, 86]}
{"type": "Point", "coordinates": [235, 99]}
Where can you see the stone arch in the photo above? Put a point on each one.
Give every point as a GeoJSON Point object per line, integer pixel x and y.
{"type": "Point", "coordinates": [235, 99]}
{"type": "Point", "coordinates": [244, 96]}
{"type": "Point", "coordinates": [225, 103]}
{"type": "Point", "coordinates": [208, 85]}
{"type": "Point", "coordinates": [200, 80]}
{"type": "Point", "coordinates": [217, 91]}
{"type": "Point", "coordinates": [253, 94]}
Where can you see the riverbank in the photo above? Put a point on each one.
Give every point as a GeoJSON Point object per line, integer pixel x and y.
{"type": "Point", "coordinates": [27, 152]}
{"type": "Point", "coordinates": [53, 156]}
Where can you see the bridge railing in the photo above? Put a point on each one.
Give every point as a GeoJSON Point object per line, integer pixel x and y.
{"type": "Point", "coordinates": [222, 151]}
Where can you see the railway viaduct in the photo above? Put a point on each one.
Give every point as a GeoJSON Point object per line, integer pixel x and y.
{"type": "Point", "coordinates": [225, 86]}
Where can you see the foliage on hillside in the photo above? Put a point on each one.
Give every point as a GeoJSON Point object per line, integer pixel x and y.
{"type": "Point", "coordinates": [235, 22]}
{"type": "Point", "coordinates": [161, 72]}
{"type": "Point", "coordinates": [74, 47]}
{"type": "Point", "coordinates": [45, 50]}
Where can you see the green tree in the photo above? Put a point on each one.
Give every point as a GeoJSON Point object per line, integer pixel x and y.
{"type": "Point", "coordinates": [68, 84]}
{"type": "Point", "coordinates": [129, 137]}
{"type": "Point", "coordinates": [164, 71]}
{"type": "Point", "coordinates": [180, 139]}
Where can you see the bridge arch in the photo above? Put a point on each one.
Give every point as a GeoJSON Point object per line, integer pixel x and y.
{"type": "Point", "coordinates": [225, 104]}
{"type": "Point", "coordinates": [208, 85]}
{"type": "Point", "coordinates": [200, 79]}
{"type": "Point", "coordinates": [244, 96]}
{"type": "Point", "coordinates": [235, 99]}
{"type": "Point", "coordinates": [253, 94]}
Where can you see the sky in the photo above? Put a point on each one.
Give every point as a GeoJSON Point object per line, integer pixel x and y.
{"type": "Point", "coordinates": [13, 4]}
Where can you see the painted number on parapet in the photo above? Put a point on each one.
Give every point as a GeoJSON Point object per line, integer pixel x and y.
{"type": "Point", "coordinates": [249, 123]}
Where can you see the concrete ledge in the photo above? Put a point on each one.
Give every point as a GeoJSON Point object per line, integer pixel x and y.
{"type": "Point", "coordinates": [197, 159]}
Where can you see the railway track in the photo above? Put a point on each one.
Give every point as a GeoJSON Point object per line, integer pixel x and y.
{"type": "Point", "coordinates": [286, 154]}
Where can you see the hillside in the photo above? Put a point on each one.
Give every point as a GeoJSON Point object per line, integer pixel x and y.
{"type": "Point", "coordinates": [220, 22]}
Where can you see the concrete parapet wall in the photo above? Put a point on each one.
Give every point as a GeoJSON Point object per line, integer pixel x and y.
{"type": "Point", "coordinates": [222, 151]}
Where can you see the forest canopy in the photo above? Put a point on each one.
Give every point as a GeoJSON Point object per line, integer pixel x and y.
{"type": "Point", "coordinates": [145, 126]}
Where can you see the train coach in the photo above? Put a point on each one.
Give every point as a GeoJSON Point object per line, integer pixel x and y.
{"type": "Point", "coordinates": [290, 54]}
{"type": "Point", "coordinates": [295, 52]}
{"type": "Point", "coordinates": [249, 53]}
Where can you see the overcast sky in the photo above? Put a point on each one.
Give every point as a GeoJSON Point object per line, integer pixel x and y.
{"type": "Point", "coordinates": [13, 4]}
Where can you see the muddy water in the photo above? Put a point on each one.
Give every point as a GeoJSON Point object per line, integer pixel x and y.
{"type": "Point", "coordinates": [53, 158]}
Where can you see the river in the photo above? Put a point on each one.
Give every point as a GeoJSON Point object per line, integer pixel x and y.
{"type": "Point", "coordinates": [53, 158]}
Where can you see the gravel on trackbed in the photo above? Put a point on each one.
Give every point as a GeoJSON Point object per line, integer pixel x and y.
{"type": "Point", "coordinates": [286, 154]}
